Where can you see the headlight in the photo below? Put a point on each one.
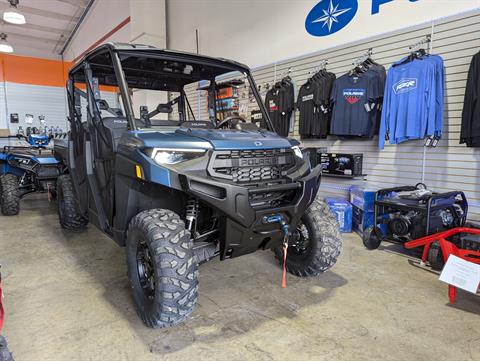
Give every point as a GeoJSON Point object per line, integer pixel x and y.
{"type": "Point", "coordinates": [172, 155]}
{"type": "Point", "coordinates": [23, 160]}
{"type": "Point", "coordinates": [297, 151]}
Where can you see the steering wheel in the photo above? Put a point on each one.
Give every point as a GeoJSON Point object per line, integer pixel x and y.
{"type": "Point", "coordinates": [421, 186]}
{"type": "Point", "coordinates": [232, 120]}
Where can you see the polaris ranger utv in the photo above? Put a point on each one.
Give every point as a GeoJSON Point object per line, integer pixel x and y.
{"type": "Point", "coordinates": [176, 190]}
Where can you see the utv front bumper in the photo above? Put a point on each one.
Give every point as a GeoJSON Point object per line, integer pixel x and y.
{"type": "Point", "coordinates": [242, 226]}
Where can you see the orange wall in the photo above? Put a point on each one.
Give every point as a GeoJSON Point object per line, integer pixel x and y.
{"type": "Point", "coordinates": [37, 71]}
{"type": "Point", "coordinates": [34, 71]}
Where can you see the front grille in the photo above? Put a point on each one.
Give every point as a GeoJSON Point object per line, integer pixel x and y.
{"type": "Point", "coordinates": [249, 166]}
{"type": "Point", "coordinates": [271, 199]}
{"type": "Point", "coordinates": [241, 175]}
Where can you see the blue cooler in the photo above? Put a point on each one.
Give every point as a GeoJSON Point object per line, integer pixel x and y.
{"type": "Point", "coordinates": [343, 210]}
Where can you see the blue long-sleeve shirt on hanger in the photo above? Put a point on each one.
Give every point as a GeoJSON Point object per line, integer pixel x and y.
{"type": "Point", "coordinates": [439, 92]}
{"type": "Point", "coordinates": [411, 106]}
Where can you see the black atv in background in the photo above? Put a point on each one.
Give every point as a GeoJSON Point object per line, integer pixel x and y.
{"type": "Point", "coordinates": [176, 190]}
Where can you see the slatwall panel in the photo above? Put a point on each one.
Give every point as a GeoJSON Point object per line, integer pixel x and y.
{"type": "Point", "coordinates": [3, 110]}
{"type": "Point", "coordinates": [453, 166]}
{"type": "Point", "coordinates": [38, 100]}
{"type": "Point", "coordinates": [450, 166]}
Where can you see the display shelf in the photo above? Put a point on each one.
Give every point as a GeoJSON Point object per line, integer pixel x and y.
{"type": "Point", "coordinates": [236, 83]}
{"type": "Point", "coordinates": [363, 176]}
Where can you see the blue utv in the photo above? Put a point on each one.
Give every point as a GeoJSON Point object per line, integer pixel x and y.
{"type": "Point", "coordinates": [176, 190]}
{"type": "Point", "coordinates": [26, 165]}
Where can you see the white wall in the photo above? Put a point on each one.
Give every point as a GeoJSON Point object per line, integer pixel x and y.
{"type": "Point", "coordinates": [101, 19]}
{"type": "Point", "coordinates": [42, 100]}
{"type": "Point", "coordinates": [49, 101]}
{"type": "Point", "coordinates": [259, 32]}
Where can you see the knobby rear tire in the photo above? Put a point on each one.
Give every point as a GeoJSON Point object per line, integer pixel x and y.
{"type": "Point", "coordinates": [69, 215]}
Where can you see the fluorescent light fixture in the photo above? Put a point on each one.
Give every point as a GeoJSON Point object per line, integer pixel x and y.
{"type": "Point", "coordinates": [12, 15]}
{"type": "Point", "coordinates": [5, 47]}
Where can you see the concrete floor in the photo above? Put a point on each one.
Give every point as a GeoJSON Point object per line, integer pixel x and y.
{"type": "Point", "coordinates": [67, 298]}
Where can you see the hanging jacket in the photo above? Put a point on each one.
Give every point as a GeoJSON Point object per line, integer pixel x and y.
{"type": "Point", "coordinates": [470, 129]}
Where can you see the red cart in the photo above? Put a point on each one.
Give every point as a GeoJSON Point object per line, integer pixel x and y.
{"type": "Point", "coordinates": [447, 248]}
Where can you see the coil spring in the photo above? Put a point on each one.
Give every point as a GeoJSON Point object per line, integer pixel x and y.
{"type": "Point", "coordinates": [191, 212]}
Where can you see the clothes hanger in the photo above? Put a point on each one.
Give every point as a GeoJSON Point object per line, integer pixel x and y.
{"type": "Point", "coordinates": [422, 53]}
{"type": "Point", "coordinates": [371, 61]}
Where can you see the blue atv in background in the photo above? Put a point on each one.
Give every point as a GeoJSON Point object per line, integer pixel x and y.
{"type": "Point", "coordinates": [177, 191]}
{"type": "Point", "coordinates": [26, 165]}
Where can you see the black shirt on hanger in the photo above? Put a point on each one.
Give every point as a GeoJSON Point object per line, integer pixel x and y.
{"type": "Point", "coordinates": [470, 129]}
{"type": "Point", "coordinates": [308, 99]}
{"type": "Point", "coordinates": [280, 103]}
{"type": "Point", "coordinates": [272, 103]}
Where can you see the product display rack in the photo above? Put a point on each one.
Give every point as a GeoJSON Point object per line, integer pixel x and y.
{"type": "Point", "coordinates": [363, 176]}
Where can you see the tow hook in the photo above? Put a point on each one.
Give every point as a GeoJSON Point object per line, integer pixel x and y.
{"type": "Point", "coordinates": [278, 218]}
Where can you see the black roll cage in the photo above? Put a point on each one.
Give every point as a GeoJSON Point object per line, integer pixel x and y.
{"type": "Point", "coordinates": [114, 50]}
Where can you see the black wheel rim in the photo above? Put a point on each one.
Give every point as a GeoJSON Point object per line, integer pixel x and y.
{"type": "Point", "coordinates": [299, 241]}
{"type": "Point", "coordinates": [145, 269]}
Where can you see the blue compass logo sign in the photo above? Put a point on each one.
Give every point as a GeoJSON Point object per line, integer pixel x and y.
{"type": "Point", "coordinates": [330, 16]}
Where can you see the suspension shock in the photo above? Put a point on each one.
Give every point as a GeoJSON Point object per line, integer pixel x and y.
{"type": "Point", "coordinates": [22, 179]}
{"type": "Point", "coordinates": [191, 213]}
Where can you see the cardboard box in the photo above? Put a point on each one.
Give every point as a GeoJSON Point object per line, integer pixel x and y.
{"type": "Point", "coordinates": [363, 198]}
{"type": "Point", "coordinates": [361, 220]}
{"type": "Point", "coordinates": [343, 164]}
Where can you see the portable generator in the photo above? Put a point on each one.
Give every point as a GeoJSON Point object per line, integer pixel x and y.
{"type": "Point", "coordinates": [406, 213]}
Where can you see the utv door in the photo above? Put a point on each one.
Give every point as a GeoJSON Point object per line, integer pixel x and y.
{"type": "Point", "coordinates": [76, 146]}
{"type": "Point", "coordinates": [104, 133]}
{"type": "Point", "coordinates": [93, 151]}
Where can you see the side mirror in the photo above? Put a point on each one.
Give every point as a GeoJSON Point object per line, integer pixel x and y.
{"type": "Point", "coordinates": [102, 104]}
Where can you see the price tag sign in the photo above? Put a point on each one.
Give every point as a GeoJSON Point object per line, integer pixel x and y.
{"type": "Point", "coordinates": [462, 274]}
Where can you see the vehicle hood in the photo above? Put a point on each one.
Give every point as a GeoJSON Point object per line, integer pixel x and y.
{"type": "Point", "coordinates": [209, 139]}
{"type": "Point", "coordinates": [238, 140]}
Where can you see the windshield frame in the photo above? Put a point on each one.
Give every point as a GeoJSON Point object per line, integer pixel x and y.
{"type": "Point", "coordinates": [220, 63]}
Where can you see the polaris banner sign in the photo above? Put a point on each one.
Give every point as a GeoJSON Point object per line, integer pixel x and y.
{"type": "Point", "coordinates": [330, 16]}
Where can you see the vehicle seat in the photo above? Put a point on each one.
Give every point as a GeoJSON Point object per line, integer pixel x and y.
{"type": "Point", "coordinates": [114, 127]}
